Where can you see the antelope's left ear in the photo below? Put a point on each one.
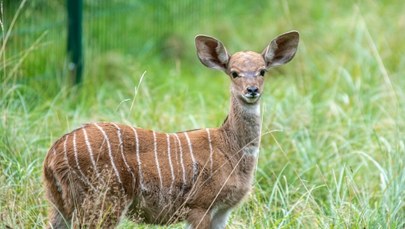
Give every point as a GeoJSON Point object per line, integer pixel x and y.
{"type": "Point", "coordinates": [282, 49]}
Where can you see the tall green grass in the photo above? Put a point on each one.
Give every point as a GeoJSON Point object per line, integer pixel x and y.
{"type": "Point", "coordinates": [333, 145]}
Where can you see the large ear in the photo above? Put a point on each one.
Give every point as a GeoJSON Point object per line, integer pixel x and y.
{"type": "Point", "coordinates": [282, 49]}
{"type": "Point", "coordinates": [211, 52]}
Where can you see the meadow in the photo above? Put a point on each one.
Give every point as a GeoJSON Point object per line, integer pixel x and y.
{"type": "Point", "coordinates": [333, 140]}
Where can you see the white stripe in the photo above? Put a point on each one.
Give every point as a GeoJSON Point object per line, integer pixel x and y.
{"type": "Point", "coordinates": [54, 151]}
{"type": "Point", "coordinates": [109, 152]}
{"type": "Point", "coordinates": [66, 157]}
{"type": "Point", "coordinates": [170, 161]}
{"type": "Point", "coordinates": [156, 160]}
{"type": "Point", "coordinates": [190, 146]}
{"type": "Point", "coordinates": [77, 161]}
{"type": "Point", "coordinates": [65, 151]}
{"type": "Point", "coordinates": [181, 159]}
{"type": "Point", "coordinates": [175, 153]}
{"type": "Point", "coordinates": [75, 153]}
{"type": "Point", "coordinates": [138, 160]}
{"type": "Point", "coordinates": [90, 150]}
{"type": "Point", "coordinates": [122, 150]}
{"type": "Point", "coordinates": [210, 145]}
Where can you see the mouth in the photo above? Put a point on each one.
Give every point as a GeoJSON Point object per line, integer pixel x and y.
{"type": "Point", "coordinates": [251, 97]}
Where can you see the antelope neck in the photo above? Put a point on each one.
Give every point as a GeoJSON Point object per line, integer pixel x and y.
{"type": "Point", "coordinates": [242, 127]}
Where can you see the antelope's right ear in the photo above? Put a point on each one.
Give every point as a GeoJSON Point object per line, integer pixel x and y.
{"type": "Point", "coordinates": [211, 52]}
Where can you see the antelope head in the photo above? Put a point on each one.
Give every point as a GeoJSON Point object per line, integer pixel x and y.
{"type": "Point", "coordinates": [247, 69]}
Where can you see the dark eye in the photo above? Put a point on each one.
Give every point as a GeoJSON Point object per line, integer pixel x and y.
{"type": "Point", "coordinates": [234, 74]}
{"type": "Point", "coordinates": [262, 72]}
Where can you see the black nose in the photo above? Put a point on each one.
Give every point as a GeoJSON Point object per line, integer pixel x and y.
{"type": "Point", "coordinates": [252, 90]}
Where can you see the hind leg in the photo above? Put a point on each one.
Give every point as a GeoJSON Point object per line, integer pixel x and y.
{"type": "Point", "coordinates": [198, 219]}
{"type": "Point", "coordinates": [101, 208]}
{"type": "Point", "coordinates": [58, 216]}
{"type": "Point", "coordinates": [57, 220]}
{"type": "Point", "coordinates": [105, 215]}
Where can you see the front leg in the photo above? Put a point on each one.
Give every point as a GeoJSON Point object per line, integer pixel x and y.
{"type": "Point", "coordinates": [220, 218]}
{"type": "Point", "coordinates": [198, 219]}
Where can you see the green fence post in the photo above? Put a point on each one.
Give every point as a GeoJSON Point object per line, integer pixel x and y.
{"type": "Point", "coordinates": [74, 39]}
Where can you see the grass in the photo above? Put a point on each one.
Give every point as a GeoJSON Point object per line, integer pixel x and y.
{"type": "Point", "coordinates": [333, 146]}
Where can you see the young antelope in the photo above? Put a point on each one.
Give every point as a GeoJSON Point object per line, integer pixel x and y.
{"type": "Point", "coordinates": [100, 172]}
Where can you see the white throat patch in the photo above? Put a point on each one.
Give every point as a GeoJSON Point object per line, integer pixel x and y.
{"type": "Point", "coordinates": [252, 109]}
{"type": "Point", "coordinates": [251, 150]}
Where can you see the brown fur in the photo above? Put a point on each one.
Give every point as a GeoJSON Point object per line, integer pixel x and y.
{"type": "Point", "coordinates": [94, 183]}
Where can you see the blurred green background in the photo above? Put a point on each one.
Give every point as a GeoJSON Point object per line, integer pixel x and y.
{"type": "Point", "coordinates": [333, 145]}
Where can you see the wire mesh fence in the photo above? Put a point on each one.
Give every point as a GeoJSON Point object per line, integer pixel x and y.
{"type": "Point", "coordinates": [127, 26]}
{"type": "Point", "coordinates": [133, 27]}
{"type": "Point", "coordinates": [34, 29]}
